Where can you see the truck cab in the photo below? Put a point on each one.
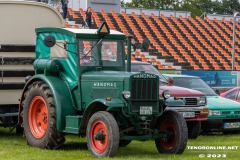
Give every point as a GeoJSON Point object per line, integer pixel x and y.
{"type": "Point", "coordinates": [81, 87]}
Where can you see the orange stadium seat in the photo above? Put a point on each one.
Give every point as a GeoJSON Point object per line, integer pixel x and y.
{"type": "Point", "coordinates": [202, 43]}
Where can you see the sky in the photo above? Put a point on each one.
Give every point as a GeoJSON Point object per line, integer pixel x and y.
{"type": "Point", "coordinates": [127, 0]}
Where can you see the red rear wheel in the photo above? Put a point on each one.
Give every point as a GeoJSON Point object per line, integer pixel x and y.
{"type": "Point", "coordinates": [38, 117]}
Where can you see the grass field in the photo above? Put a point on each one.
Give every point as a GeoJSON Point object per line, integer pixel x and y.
{"type": "Point", "coordinates": [14, 147]}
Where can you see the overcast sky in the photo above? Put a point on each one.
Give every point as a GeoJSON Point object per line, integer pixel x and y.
{"type": "Point", "coordinates": [127, 0]}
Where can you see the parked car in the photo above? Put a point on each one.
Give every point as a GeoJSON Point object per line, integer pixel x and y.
{"type": "Point", "coordinates": [224, 114]}
{"type": "Point", "coordinates": [232, 94]}
{"type": "Point", "coordinates": [195, 109]}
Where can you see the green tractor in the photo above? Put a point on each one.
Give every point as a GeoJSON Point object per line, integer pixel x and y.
{"type": "Point", "coordinates": [81, 87]}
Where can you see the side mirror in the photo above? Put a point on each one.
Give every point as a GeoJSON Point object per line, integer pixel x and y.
{"type": "Point", "coordinates": [49, 41]}
{"type": "Point", "coordinates": [170, 81]}
{"type": "Point", "coordinates": [217, 91]}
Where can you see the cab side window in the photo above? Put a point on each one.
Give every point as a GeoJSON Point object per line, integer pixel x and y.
{"type": "Point", "coordinates": [238, 97]}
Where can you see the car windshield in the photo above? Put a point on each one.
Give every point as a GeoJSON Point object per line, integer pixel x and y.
{"type": "Point", "coordinates": [148, 69]}
{"type": "Point", "coordinates": [103, 53]}
{"type": "Point", "coordinates": [194, 83]}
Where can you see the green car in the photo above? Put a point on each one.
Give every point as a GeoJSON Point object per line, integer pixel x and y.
{"type": "Point", "coordinates": [224, 114]}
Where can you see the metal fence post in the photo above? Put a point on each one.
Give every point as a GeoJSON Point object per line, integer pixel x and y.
{"type": "Point", "coordinates": [233, 42]}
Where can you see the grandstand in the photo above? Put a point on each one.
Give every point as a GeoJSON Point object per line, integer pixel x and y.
{"type": "Point", "coordinates": [191, 43]}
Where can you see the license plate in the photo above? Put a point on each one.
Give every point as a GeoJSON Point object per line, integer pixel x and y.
{"type": "Point", "coordinates": [145, 110]}
{"type": "Point", "coordinates": [187, 114]}
{"type": "Point", "coordinates": [232, 125]}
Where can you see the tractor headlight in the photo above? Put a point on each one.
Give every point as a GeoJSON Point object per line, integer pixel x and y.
{"type": "Point", "coordinates": [202, 101]}
{"type": "Point", "coordinates": [126, 94]}
{"type": "Point", "coordinates": [166, 94]}
{"type": "Point", "coordinates": [214, 113]}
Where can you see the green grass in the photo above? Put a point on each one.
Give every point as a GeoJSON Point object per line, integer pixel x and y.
{"type": "Point", "coordinates": [14, 147]}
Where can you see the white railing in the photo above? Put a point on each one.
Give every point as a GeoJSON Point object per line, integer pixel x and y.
{"type": "Point", "coordinates": [221, 17]}
{"type": "Point", "coordinates": [75, 5]}
{"type": "Point", "coordinates": [148, 12]}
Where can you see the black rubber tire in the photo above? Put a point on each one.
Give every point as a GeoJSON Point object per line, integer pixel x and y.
{"type": "Point", "coordinates": [176, 142]}
{"type": "Point", "coordinates": [52, 139]}
{"type": "Point", "coordinates": [113, 134]}
{"type": "Point", "coordinates": [124, 143]}
{"type": "Point", "coordinates": [194, 129]}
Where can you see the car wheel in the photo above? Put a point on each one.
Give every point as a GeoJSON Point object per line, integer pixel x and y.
{"type": "Point", "coordinates": [193, 129]}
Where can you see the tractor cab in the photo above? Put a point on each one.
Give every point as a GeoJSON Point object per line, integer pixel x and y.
{"type": "Point", "coordinates": [85, 49]}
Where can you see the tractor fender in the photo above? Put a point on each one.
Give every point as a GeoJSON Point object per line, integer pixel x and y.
{"type": "Point", "coordinates": [100, 105]}
{"type": "Point", "coordinates": [62, 98]}
{"type": "Point", "coordinates": [112, 105]}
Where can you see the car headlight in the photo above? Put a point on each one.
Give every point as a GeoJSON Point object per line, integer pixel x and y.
{"type": "Point", "coordinates": [214, 113]}
{"type": "Point", "coordinates": [166, 94]}
{"type": "Point", "coordinates": [126, 94]}
{"type": "Point", "coordinates": [202, 101]}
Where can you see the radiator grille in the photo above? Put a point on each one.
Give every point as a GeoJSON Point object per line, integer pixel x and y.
{"type": "Point", "coordinates": [144, 89]}
{"type": "Point", "coordinates": [190, 101]}
{"type": "Point", "coordinates": [236, 112]}
{"type": "Point", "coordinates": [225, 112]}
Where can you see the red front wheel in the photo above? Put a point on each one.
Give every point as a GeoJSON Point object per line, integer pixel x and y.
{"type": "Point", "coordinates": [103, 135]}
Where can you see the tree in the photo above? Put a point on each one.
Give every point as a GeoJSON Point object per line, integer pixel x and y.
{"type": "Point", "coordinates": [229, 6]}
{"type": "Point", "coordinates": [152, 4]}
{"type": "Point", "coordinates": [196, 7]}
{"type": "Point", "coordinates": [122, 3]}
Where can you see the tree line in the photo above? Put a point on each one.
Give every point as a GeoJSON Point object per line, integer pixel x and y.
{"type": "Point", "coordinates": [196, 7]}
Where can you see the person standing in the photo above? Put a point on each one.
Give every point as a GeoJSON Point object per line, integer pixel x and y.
{"type": "Point", "coordinates": [64, 8]}
{"type": "Point", "coordinates": [89, 17]}
{"type": "Point", "coordinates": [134, 45]}
{"type": "Point", "coordinates": [145, 44]}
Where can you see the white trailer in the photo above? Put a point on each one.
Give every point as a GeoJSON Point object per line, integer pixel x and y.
{"type": "Point", "coordinates": [17, 45]}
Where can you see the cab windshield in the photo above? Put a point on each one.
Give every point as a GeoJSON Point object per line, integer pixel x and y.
{"type": "Point", "coordinates": [100, 53]}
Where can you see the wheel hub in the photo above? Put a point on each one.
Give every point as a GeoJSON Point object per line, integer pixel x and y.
{"type": "Point", "coordinates": [169, 136]}
{"type": "Point", "coordinates": [99, 136]}
{"type": "Point", "coordinates": [38, 117]}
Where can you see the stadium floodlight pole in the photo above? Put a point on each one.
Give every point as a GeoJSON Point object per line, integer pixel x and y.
{"type": "Point", "coordinates": [233, 43]}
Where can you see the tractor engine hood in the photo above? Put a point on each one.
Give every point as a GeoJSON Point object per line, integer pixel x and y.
{"type": "Point", "coordinates": [106, 75]}
{"type": "Point", "coordinates": [180, 91]}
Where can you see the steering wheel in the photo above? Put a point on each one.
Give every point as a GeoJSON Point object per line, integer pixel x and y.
{"type": "Point", "coordinates": [89, 60]}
